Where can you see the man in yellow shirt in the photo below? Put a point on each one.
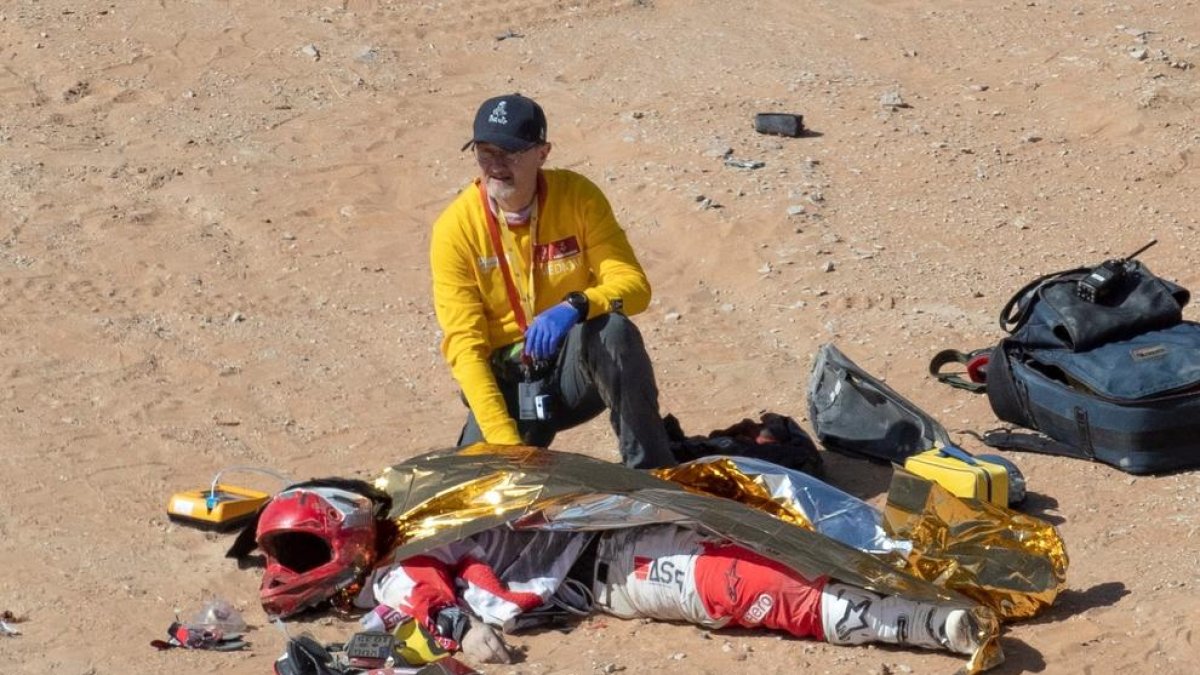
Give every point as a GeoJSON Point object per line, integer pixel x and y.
{"type": "Point", "coordinates": [533, 279]}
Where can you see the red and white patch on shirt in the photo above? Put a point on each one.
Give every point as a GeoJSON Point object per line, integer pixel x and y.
{"type": "Point", "coordinates": [556, 250]}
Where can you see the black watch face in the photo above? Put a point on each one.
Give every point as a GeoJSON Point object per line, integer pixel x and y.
{"type": "Point", "coordinates": [374, 646]}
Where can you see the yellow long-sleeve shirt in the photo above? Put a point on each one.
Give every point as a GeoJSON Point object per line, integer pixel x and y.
{"type": "Point", "coordinates": [580, 247]}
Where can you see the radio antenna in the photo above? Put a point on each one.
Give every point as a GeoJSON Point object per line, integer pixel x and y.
{"type": "Point", "coordinates": [1141, 250]}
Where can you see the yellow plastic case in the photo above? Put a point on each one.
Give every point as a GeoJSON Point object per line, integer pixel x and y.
{"type": "Point", "coordinates": [983, 480]}
{"type": "Point", "coordinates": [233, 507]}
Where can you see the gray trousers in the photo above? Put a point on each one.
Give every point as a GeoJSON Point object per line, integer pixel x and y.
{"type": "Point", "coordinates": [602, 364]}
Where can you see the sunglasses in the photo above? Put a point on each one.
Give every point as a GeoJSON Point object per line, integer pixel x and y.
{"type": "Point", "coordinates": [491, 156]}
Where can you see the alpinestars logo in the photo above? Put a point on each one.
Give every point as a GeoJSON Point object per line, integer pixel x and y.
{"type": "Point", "coordinates": [499, 113]}
{"type": "Point", "coordinates": [852, 619]}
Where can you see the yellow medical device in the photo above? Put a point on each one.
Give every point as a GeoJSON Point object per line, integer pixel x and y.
{"type": "Point", "coordinates": [221, 507]}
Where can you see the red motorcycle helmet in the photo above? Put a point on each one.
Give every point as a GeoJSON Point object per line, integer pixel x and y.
{"type": "Point", "coordinates": [318, 542]}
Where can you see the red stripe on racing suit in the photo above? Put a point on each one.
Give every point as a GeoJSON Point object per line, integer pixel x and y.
{"type": "Point", "coordinates": [752, 590]}
{"type": "Point", "coordinates": [677, 574]}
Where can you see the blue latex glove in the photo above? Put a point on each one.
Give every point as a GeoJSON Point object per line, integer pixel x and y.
{"type": "Point", "coordinates": [545, 336]}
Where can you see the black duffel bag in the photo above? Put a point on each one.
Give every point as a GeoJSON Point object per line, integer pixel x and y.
{"type": "Point", "coordinates": [1115, 379]}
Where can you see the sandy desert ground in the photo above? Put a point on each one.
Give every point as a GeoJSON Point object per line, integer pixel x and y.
{"type": "Point", "coordinates": [214, 221]}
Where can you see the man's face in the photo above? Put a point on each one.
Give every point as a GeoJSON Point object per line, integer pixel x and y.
{"type": "Point", "coordinates": [510, 177]}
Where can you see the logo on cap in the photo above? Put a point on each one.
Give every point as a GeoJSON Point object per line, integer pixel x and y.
{"type": "Point", "coordinates": [514, 123]}
{"type": "Point", "coordinates": [499, 113]}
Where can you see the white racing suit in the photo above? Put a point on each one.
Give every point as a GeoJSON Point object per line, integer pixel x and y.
{"type": "Point", "coordinates": [659, 571]}
{"type": "Point", "coordinates": [677, 574]}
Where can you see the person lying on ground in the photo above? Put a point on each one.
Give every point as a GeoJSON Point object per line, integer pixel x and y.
{"type": "Point", "coordinates": [467, 593]}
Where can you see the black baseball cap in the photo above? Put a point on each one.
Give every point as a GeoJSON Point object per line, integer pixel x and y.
{"type": "Point", "coordinates": [513, 123]}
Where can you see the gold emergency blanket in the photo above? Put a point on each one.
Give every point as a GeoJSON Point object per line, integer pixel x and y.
{"type": "Point", "coordinates": [1013, 563]}
{"type": "Point", "coordinates": [443, 497]}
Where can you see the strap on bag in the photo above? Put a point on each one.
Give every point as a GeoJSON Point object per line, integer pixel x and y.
{"type": "Point", "coordinates": [976, 363]}
{"type": "Point", "coordinates": [1030, 441]}
{"type": "Point", "coordinates": [1014, 313]}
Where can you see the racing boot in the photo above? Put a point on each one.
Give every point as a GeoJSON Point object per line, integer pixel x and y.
{"type": "Point", "coordinates": [853, 616]}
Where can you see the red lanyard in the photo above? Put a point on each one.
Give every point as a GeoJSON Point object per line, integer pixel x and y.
{"type": "Point", "coordinates": [514, 298]}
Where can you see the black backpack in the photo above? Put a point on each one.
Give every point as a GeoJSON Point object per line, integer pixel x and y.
{"type": "Point", "coordinates": [1112, 376]}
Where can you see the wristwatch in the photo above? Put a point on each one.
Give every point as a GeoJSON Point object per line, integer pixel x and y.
{"type": "Point", "coordinates": [580, 302]}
